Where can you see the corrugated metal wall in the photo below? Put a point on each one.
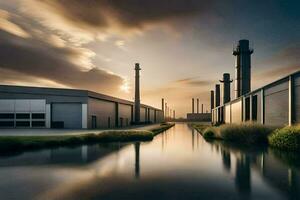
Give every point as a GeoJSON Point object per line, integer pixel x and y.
{"type": "Point", "coordinates": [277, 104]}
{"type": "Point", "coordinates": [124, 115]}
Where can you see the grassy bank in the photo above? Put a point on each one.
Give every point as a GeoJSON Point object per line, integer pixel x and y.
{"type": "Point", "coordinates": [287, 138]}
{"type": "Point", "coordinates": [21, 143]}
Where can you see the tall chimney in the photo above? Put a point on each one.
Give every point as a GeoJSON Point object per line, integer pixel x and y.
{"type": "Point", "coordinates": [163, 106]}
{"type": "Point", "coordinates": [174, 114]}
{"type": "Point", "coordinates": [193, 102]}
{"type": "Point", "coordinates": [217, 95]}
{"type": "Point", "coordinates": [226, 87]}
{"type": "Point", "coordinates": [212, 99]}
{"type": "Point", "coordinates": [137, 100]}
{"type": "Point", "coordinates": [166, 113]}
{"type": "Point", "coordinates": [242, 68]}
{"type": "Point", "coordinates": [197, 105]}
{"type": "Point", "coordinates": [202, 108]}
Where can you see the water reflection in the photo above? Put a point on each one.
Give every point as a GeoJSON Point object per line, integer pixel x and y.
{"type": "Point", "coordinates": [177, 164]}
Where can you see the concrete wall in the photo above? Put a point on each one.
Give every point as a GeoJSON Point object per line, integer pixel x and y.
{"type": "Point", "coordinates": [104, 111]}
{"type": "Point", "coordinates": [124, 115]}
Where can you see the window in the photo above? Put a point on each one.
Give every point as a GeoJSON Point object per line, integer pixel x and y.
{"type": "Point", "coordinates": [7, 115]}
{"type": "Point", "coordinates": [254, 108]}
{"type": "Point", "coordinates": [23, 116]}
{"type": "Point", "coordinates": [23, 123]}
{"type": "Point", "coordinates": [4, 124]}
{"type": "Point", "coordinates": [38, 115]}
{"type": "Point", "coordinates": [38, 123]}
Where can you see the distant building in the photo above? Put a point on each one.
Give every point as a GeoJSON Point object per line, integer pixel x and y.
{"type": "Point", "coordinates": [34, 107]}
{"type": "Point", "coordinates": [276, 104]}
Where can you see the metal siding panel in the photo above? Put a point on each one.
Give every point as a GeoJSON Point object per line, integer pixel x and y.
{"type": "Point", "coordinates": [297, 103]}
{"type": "Point", "coordinates": [143, 114]}
{"type": "Point", "coordinates": [227, 114]}
{"type": "Point", "coordinates": [276, 108]}
{"type": "Point", "coordinates": [125, 113]}
{"type": "Point", "coordinates": [102, 110]}
{"type": "Point", "coordinates": [69, 113]}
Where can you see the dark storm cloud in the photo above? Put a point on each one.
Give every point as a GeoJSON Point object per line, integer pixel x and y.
{"type": "Point", "coordinates": [127, 13]}
{"type": "Point", "coordinates": [36, 58]}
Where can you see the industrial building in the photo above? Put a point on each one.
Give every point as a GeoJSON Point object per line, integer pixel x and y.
{"type": "Point", "coordinates": [275, 104]}
{"type": "Point", "coordinates": [198, 116]}
{"type": "Point", "coordinates": [36, 107]}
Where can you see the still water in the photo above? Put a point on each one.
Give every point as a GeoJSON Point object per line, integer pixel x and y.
{"type": "Point", "coordinates": [177, 164]}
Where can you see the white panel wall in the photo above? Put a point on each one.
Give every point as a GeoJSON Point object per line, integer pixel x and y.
{"type": "Point", "coordinates": [228, 114]}
{"type": "Point", "coordinates": [7, 105]}
{"type": "Point", "coordinates": [236, 112]}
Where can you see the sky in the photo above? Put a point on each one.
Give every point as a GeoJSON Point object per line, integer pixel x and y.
{"type": "Point", "coordinates": [183, 46]}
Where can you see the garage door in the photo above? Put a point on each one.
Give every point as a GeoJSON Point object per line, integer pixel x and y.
{"type": "Point", "coordinates": [66, 115]}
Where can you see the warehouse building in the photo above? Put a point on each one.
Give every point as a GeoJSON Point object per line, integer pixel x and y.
{"type": "Point", "coordinates": [34, 107]}
{"type": "Point", "coordinates": [275, 104]}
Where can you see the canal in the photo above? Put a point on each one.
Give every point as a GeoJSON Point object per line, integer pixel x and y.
{"type": "Point", "coordinates": [177, 164]}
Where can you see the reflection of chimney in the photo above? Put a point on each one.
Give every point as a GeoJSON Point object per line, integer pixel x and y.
{"type": "Point", "coordinates": [212, 99]}
{"type": "Point", "coordinates": [193, 102]}
{"type": "Point", "coordinates": [197, 105]}
{"type": "Point", "coordinates": [217, 95]}
{"type": "Point", "coordinates": [226, 87]}
{"type": "Point", "coordinates": [137, 100]}
{"type": "Point", "coordinates": [137, 159]}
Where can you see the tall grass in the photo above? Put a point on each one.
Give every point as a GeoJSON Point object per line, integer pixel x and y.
{"type": "Point", "coordinates": [287, 138]}
{"type": "Point", "coordinates": [245, 133]}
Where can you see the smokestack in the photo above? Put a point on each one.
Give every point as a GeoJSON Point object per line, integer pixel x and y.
{"type": "Point", "coordinates": [212, 99]}
{"type": "Point", "coordinates": [174, 114]}
{"type": "Point", "coordinates": [242, 68]}
{"type": "Point", "coordinates": [202, 108]}
{"type": "Point", "coordinates": [166, 105]}
{"type": "Point", "coordinates": [226, 87]}
{"type": "Point", "coordinates": [217, 95]}
{"type": "Point", "coordinates": [163, 105]}
{"type": "Point", "coordinates": [193, 102]}
{"type": "Point", "coordinates": [137, 100]}
{"type": "Point", "coordinates": [197, 105]}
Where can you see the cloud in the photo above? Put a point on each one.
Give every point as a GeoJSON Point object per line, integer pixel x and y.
{"type": "Point", "coordinates": [278, 65]}
{"type": "Point", "coordinates": [83, 21]}
{"type": "Point", "coordinates": [67, 66]}
{"type": "Point", "coordinates": [194, 82]}
{"type": "Point", "coordinates": [7, 25]}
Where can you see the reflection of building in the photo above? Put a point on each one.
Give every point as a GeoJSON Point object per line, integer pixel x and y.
{"type": "Point", "coordinates": [243, 175]}
{"type": "Point", "coordinates": [279, 175]}
{"type": "Point", "coordinates": [79, 155]}
{"type": "Point", "coordinates": [33, 107]}
{"type": "Point", "coordinates": [277, 103]}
